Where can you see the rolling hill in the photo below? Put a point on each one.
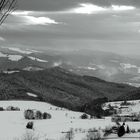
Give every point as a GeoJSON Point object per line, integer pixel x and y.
{"type": "Point", "coordinates": [59, 87]}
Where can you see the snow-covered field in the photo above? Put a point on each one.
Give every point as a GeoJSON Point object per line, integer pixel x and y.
{"type": "Point", "coordinates": [134, 106]}
{"type": "Point", "coordinates": [13, 123]}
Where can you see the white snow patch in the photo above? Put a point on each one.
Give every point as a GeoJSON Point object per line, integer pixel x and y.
{"type": "Point", "coordinates": [31, 94]}
{"type": "Point", "coordinates": [15, 57]}
{"type": "Point", "coordinates": [133, 84]}
{"type": "Point", "coordinates": [56, 64]}
{"type": "Point", "coordinates": [128, 66]}
{"type": "Point", "coordinates": [87, 68]}
{"type": "Point", "coordinates": [20, 50]}
{"type": "Point", "coordinates": [10, 72]}
{"type": "Point", "coordinates": [91, 68]}
{"type": "Point", "coordinates": [11, 57]}
{"type": "Point", "coordinates": [37, 59]}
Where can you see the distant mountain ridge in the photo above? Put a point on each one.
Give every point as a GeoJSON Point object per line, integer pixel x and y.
{"type": "Point", "coordinates": [104, 65]}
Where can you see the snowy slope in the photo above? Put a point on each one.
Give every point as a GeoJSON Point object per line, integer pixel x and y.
{"type": "Point", "coordinates": [13, 123]}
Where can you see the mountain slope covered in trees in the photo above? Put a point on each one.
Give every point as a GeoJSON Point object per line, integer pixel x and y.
{"type": "Point", "coordinates": [59, 87]}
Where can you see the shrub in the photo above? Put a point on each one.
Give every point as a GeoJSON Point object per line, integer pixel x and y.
{"type": "Point", "coordinates": [127, 129]}
{"type": "Point", "coordinates": [29, 114]}
{"type": "Point", "coordinates": [84, 116]}
{"type": "Point", "coordinates": [29, 125]}
{"type": "Point", "coordinates": [46, 115]}
{"type": "Point", "coordinates": [107, 130]}
{"type": "Point", "coordinates": [133, 131]}
{"type": "Point", "coordinates": [1, 109]}
{"type": "Point", "coordinates": [38, 115]}
{"type": "Point", "coordinates": [11, 108]}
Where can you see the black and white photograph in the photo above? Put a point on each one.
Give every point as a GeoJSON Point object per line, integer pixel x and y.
{"type": "Point", "coordinates": [69, 69]}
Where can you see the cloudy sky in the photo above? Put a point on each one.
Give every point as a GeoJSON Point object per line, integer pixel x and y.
{"type": "Point", "coordinates": [110, 25]}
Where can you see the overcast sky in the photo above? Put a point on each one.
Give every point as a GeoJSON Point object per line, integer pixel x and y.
{"type": "Point", "coordinates": [109, 25]}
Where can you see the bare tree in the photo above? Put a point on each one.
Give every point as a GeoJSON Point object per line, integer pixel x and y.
{"type": "Point", "coordinates": [6, 7]}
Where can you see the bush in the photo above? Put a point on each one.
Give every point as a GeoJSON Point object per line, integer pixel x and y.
{"type": "Point", "coordinates": [29, 114]}
{"type": "Point", "coordinates": [84, 116]}
{"type": "Point", "coordinates": [127, 130]}
{"type": "Point", "coordinates": [11, 108]}
{"type": "Point", "coordinates": [108, 130]}
{"type": "Point", "coordinates": [38, 115]}
{"type": "Point", "coordinates": [1, 109]}
{"type": "Point", "coordinates": [29, 125]}
{"type": "Point", "coordinates": [121, 131]}
{"type": "Point", "coordinates": [133, 131]}
{"type": "Point", "coordinates": [46, 115]}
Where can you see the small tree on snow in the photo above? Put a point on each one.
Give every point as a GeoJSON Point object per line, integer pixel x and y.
{"type": "Point", "coordinates": [127, 129]}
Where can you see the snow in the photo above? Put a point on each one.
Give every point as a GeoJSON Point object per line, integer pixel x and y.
{"type": "Point", "coordinates": [15, 57]}
{"type": "Point", "coordinates": [37, 59]}
{"type": "Point", "coordinates": [91, 68]}
{"type": "Point", "coordinates": [87, 68]}
{"type": "Point", "coordinates": [10, 72]}
{"type": "Point", "coordinates": [132, 136]}
{"type": "Point", "coordinates": [31, 94]}
{"type": "Point", "coordinates": [56, 64]}
{"type": "Point", "coordinates": [128, 66]}
{"type": "Point", "coordinates": [20, 50]}
{"type": "Point", "coordinates": [11, 57]}
{"type": "Point", "coordinates": [13, 124]}
{"type": "Point", "coordinates": [133, 84]}
{"type": "Point", "coordinates": [132, 108]}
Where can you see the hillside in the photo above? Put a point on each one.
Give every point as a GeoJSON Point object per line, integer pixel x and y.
{"type": "Point", "coordinates": [132, 95]}
{"type": "Point", "coordinates": [59, 87]}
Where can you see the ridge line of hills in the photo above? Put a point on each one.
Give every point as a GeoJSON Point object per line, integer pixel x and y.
{"type": "Point", "coordinates": [62, 88]}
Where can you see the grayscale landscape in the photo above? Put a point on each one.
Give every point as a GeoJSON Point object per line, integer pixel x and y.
{"type": "Point", "coordinates": [69, 69]}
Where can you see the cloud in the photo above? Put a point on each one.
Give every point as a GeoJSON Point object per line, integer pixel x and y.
{"type": "Point", "coordinates": [21, 13]}
{"type": "Point", "coordinates": [61, 5]}
{"type": "Point", "coordinates": [88, 8]}
{"type": "Point", "coordinates": [31, 20]}
{"type": "Point", "coordinates": [122, 8]}
{"type": "Point", "coordinates": [2, 39]}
